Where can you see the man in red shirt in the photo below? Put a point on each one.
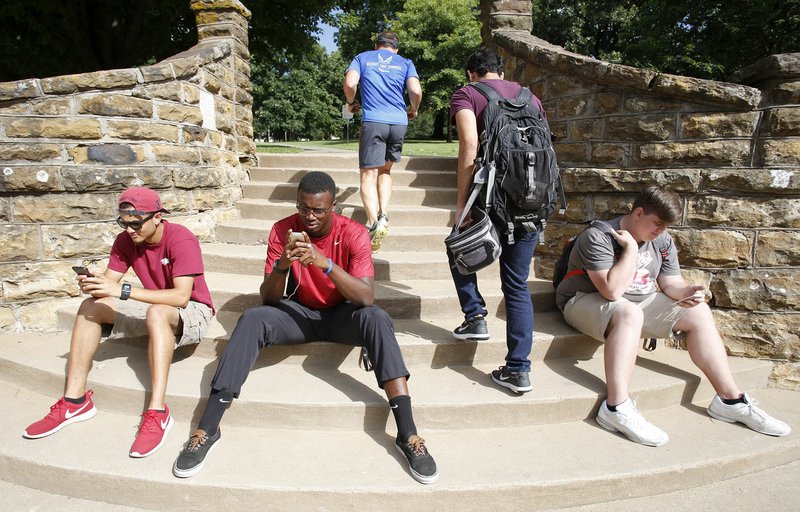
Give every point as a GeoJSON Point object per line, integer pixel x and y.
{"type": "Point", "coordinates": [327, 260]}
{"type": "Point", "coordinates": [173, 308]}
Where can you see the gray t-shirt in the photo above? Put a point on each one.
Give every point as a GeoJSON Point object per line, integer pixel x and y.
{"type": "Point", "coordinates": [596, 250]}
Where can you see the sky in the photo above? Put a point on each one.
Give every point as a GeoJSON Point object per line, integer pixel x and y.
{"type": "Point", "coordinates": [325, 38]}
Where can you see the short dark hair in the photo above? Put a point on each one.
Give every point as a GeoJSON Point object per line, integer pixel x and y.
{"type": "Point", "coordinates": [664, 203]}
{"type": "Point", "coordinates": [483, 61]}
{"type": "Point", "coordinates": [387, 38]}
{"type": "Point", "coordinates": [316, 182]}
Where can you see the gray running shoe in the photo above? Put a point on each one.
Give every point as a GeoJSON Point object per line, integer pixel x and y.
{"type": "Point", "coordinates": [518, 382]}
{"type": "Point", "coordinates": [193, 456]}
{"type": "Point", "coordinates": [420, 462]}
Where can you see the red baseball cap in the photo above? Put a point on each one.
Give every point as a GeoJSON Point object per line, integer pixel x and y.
{"type": "Point", "coordinates": [143, 199]}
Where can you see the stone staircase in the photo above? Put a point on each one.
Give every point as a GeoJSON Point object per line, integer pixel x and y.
{"type": "Point", "coordinates": [313, 432]}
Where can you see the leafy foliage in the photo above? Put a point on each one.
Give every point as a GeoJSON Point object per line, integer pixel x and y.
{"type": "Point", "coordinates": [701, 38]}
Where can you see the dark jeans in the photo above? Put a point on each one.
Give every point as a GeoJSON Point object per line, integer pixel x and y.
{"type": "Point", "coordinates": [515, 262]}
{"type": "Point", "coordinates": [291, 323]}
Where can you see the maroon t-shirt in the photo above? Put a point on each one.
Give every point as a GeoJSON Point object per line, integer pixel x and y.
{"type": "Point", "coordinates": [176, 254]}
{"type": "Point", "coordinates": [472, 99]}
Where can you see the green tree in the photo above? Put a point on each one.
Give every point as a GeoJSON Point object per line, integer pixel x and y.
{"type": "Point", "coordinates": [439, 35]}
{"type": "Point", "coordinates": [701, 38]}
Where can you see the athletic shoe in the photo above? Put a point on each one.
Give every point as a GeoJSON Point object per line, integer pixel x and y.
{"type": "Point", "coordinates": [193, 455]}
{"type": "Point", "coordinates": [152, 432]}
{"type": "Point", "coordinates": [628, 420]}
{"type": "Point", "coordinates": [475, 329]}
{"type": "Point", "coordinates": [519, 382]}
{"type": "Point", "coordinates": [62, 413]}
{"type": "Point", "coordinates": [753, 417]}
{"type": "Point", "coordinates": [378, 231]}
{"type": "Point", "coordinates": [420, 462]}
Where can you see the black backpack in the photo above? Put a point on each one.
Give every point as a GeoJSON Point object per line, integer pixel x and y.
{"type": "Point", "coordinates": [521, 172]}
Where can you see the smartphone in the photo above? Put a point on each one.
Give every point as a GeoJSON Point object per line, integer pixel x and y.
{"type": "Point", "coordinates": [82, 271]}
{"type": "Point", "coordinates": [698, 295]}
{"type": "Point", "coordinates": [296, 237]}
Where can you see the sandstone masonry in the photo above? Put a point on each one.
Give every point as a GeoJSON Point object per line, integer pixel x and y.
{"type": "Point", "coordinates": [69, 145]}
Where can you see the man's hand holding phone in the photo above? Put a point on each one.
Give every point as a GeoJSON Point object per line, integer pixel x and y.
{"type": "Point", "coordinates": [697, 297]}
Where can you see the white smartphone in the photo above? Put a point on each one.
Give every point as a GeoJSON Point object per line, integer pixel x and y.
{"type": "Point", "coordinates": [698, 295]}
{"type": "Point", "coordinates": [296, 237]}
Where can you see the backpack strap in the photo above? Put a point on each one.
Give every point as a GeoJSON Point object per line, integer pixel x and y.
{"type": "Point", "coordinates": [488, 91]}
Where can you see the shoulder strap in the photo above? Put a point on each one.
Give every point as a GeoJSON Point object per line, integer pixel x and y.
{"type": "Point", "coordinates": [526, 95]}
{"type": "Point", "coordinates": [487, 90]}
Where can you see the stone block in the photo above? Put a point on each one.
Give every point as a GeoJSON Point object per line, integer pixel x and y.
{"type": "Point", "coordinates": [51, 106]}
{"type": "Point", "coordinates": [30, 178]}
{"type": "Point", "coordinates": [191, 94]}
{"type": "Point", "coordinates": [586, 129]}
{"type": "Point", "coordinates": [19, 89]}
{"type": "Point", "coordinates": [8, 321]}
{"type": "Point", "coordinates": [778, 249]}
{"type": "Point", "coordinates": [757, 289]}
{"type": "Point", "coordinates": [34, 281]}
{"type": "Point", "coordinates": [185, 67]}
{"type": "Point", "coordinates": [114, 179]}
{"type": "Point", "coordinates": [19, 242]}
{"type": "Point", "coordinates": [609, 154]}
{"type": "Point", "coordinates": [116, 105]}
{"type": "Point", "coordinates": [573, 107]}
{"type": "Point", "coordinates": [559, 129]}
{"type": "Point", "coordinates": [165, 91]}
{"type": "Point", "coordinates": [705, 153]}
{"type": "Point", "coordinates": [770, 335]}
{"type": "Point", "coordinates": [607, 103]}
{"type": "Point", "coordinates": [753, 181]}
{"type": "Point", "coordinates": [786, 375]}
{"type": "Point", "coordinates": [713, 248]}
{"type": "Point", "coordinates": [706, 91]}
{"type": "Point", "coordinates": [33, 152]}
{"type": "Point", "coordinates": [42, 316]}
{"type": "Point", "coordinates": [179, 113]}
{"type": "Point", "coordinates": [211, 83]}
{"type": "Point", "coordinates": [641, 104]}
{"type": "Point", "coordinates": [604, 206]}
{"type": "Point", "coordinates": [640, 128]}
{"type": "Point", "coordinates": [5, 209]}
{"type": "Point", "coordinates": [77, 240]}
{"type": "Point", "coordinates": [176, 154]}
{"type": "Point", "coordinates": [54, 128]}
{"type": "Point", "coordinates": [157, 72]}
{"type": "Point", "coordinates": [556, 236]}
{"type": "Point", "coordinates": [209, 199]}
{"type": "Point", "coordinates": [64, 207]}
{"type": "Point", "coordinates": [718, 125]}
{"type": "Point", "coordinates": [202, 225]}
{"type": "Point", "coordinates": [563, 85]}
{"type": "Point", "coordinates": [566, 152]}
{"type": "Point", "coordinates": [781, 122]}
{"type": "Point", "coordinates": [744, 212]}
{"type": "Point", "coordinates": [198, 177]}
{"type": "Point", "coordinates": [109, 154]}
{"type": "Point", "coordinates": [194, 135]}
{"type": "Point", "coordinates": [142, 130]}
{"type": "Point", "coordinates": [779, 152]}
{"type": "Point", "coordinates": [112, 79]}
{"type": "Point", "coordinates": [783, 93]}
{"type": "Point", "coordinates": [590, 181]}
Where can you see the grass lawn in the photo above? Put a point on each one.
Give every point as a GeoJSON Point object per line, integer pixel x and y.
{"type": "Point", "coordinates": [410, 147]}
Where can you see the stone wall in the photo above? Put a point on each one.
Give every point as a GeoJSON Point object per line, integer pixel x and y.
{"type": "Point", "coordinates": [731, 150]}
{"type": "Point", "coordinates": [70, 144]}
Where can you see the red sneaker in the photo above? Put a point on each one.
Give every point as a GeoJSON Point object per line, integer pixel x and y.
{"type": "Point", "coordinates": [62, 413]}
{"type": "Point", "coordinates": [152, 432]}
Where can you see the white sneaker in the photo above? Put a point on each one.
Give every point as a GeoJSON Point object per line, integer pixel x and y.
{"type": "Point", "coordinates": [628, 420]}
{"type": "Point", "coordinates": [753, 417]}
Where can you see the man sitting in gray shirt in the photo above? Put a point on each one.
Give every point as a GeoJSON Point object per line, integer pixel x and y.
{"type": "Point", "coordinates": [610, 294]}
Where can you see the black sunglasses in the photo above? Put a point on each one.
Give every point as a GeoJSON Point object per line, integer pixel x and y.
{"type": "Point", "coordinates": [136, 225]}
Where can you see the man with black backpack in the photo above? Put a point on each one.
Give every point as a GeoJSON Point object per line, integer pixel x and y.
{"type": "Point", "coordinates": [468, 106]}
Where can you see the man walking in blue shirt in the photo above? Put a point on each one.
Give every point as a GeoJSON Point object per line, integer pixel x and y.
{"type": "Point", "coordinates": [383, 75]}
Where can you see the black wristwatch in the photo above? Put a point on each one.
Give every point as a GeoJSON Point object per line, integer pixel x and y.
{"type": "Point", "coordinates": [126, 291]}
{"type": "Point", "coordinates": [276, 269]}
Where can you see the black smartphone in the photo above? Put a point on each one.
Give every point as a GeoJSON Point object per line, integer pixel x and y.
{"type": "Point", "coordinates": [82, 271]}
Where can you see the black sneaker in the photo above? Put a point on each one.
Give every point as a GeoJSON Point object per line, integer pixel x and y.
{"type": "Point", "coordinates": [518, 382]}
{"type": "Point", "coordinates": [475, 329]}
{"type": "Point", "coordinates": [192, 457]}
{"type": "Point", "coordinates": [420, 462]}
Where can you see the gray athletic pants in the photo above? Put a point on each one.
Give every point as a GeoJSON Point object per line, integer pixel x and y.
{"type": "Point", "coordinates": [291, 323]}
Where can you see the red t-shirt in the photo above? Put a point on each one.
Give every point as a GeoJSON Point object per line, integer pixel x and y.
{"type": "Point", "coordinates": [347, 245]}
{"type": "Point", "coordinates": [472, 99]}
{"type": "Point", "coordinates": [176, 254]}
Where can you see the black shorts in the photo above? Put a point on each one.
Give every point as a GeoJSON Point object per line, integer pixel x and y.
{"type": "Point", "coordinates": [380, 143]}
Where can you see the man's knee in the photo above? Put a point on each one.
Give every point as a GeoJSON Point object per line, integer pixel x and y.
{"type": "Point", "coordinates": [161, 313]}
{"type": "Point", "coordinates": [101, 310]}
{"type": "Point", "coordinates": [626, 316]}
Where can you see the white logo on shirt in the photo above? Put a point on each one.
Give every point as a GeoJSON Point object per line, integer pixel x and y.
{"type": "Point", "coordinates": [165, 261]}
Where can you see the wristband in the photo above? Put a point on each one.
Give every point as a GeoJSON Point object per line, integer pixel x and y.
{"type": "Point", "coordinates": [126, 291]}
{"type": "Point", "coordinates": [276, 269]}
{"type": "Point", "coordinates": [330, 267]}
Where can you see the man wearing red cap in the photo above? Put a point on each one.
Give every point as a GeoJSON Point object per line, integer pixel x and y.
{"type": "Point", "coordinates": [172, 308]}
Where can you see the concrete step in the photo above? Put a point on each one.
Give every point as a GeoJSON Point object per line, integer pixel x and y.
{"type": "Point", "coordinates": [401, 238]}
{"type": "Point", "coordinates": [417, 299]}
{"type": "Point", "coordinates": [349, 178]}
{"type": "Point", "coordinates": [400, 215]}
{"type": "Point", "coordinates": [321, 160]}
{"type": "Point", "coordinates": [389, 265]}
{"type": "Point", "coordinates": [401, 195]}
{"type": "Point", "coordinates": [308, 469]}
{"type": "Point", "coordinates": [324, 394]}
